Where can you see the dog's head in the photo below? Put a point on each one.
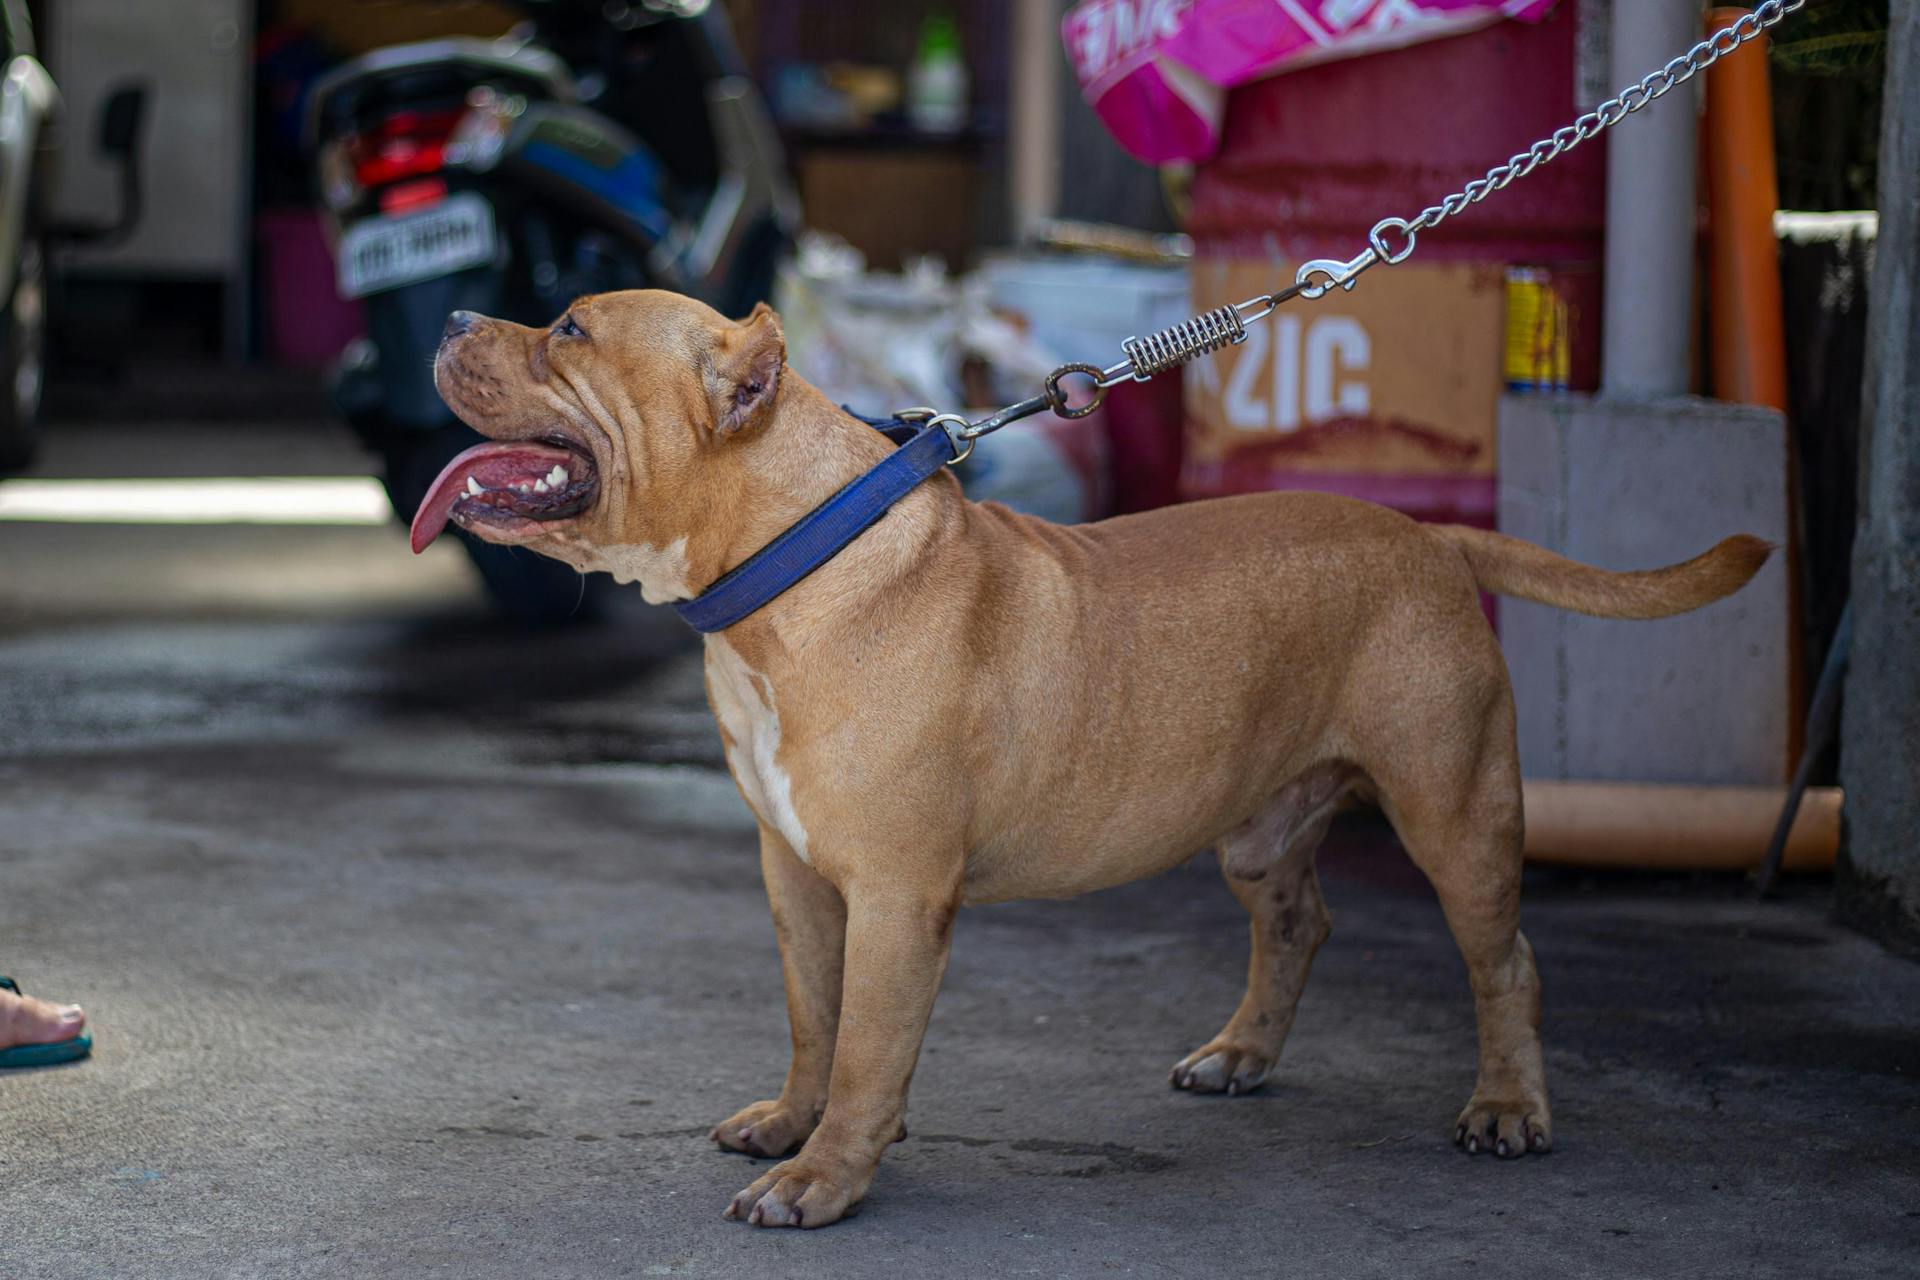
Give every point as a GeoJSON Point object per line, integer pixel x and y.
{"type": "Point", "coordinates": [611, 432]}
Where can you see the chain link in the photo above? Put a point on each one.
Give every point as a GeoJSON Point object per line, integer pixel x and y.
{"type": "Point", "coordinates": [1650, 89]}
{"type": "Point", "coordinates": [1391, 240]}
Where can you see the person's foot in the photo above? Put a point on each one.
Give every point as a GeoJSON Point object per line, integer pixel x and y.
{"type": "Point", "coordinates": [25, 1020]}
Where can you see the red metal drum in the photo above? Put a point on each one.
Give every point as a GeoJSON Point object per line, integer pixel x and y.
{"type": "Point", "coordinates": [1389, 392]}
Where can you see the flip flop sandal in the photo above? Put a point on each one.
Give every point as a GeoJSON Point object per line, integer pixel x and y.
{"type": "Point", "coordinates": [42, 1055]}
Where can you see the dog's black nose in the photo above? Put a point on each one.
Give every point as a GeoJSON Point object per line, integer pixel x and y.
{"type": "Point", "coordinates": [458, 323]}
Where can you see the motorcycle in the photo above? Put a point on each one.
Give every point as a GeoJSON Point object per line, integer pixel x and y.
{"type": "Point", "coordinates": [597, 146]}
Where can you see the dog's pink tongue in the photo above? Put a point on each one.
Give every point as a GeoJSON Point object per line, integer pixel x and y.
{"type": "Point", "coordinates": [491, 465]}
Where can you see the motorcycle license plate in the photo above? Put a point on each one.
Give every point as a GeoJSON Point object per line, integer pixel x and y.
{"type": "Point", "coordinates": [385, 253]}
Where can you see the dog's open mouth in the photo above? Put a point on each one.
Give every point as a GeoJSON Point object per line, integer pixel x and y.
{"type": "Point", "coordinates": [504, 490]}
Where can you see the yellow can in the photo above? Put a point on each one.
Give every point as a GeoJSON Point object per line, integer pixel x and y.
{"type": "Point", "coordinates": [1539, 348]}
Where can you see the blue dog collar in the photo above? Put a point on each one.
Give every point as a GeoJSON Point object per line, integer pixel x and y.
{"type": "Point", "coordinates": [823, 532]}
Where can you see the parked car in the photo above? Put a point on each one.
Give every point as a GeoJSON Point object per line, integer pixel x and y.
{"type": "Point", "coordinates": [28, 104]}
{"type": "Point", "coordinates": [29, 116]}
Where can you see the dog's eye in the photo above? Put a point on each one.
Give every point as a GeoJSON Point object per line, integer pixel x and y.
{"type": "Point", "coordinates": [568, 329]}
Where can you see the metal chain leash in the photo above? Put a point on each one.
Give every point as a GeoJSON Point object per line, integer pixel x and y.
{"type": "Point", "coordinates": [1392, 240]}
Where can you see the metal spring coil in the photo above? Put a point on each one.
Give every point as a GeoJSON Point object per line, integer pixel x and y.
{"type": "Point", "coordinates": [1190, 339]}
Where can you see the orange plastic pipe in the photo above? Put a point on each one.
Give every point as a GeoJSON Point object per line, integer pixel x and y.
{"type": "Point", "coordinates": [1649, 825]}
{"type": "Point", "coordinates": [1746, 319]}
{"type": "Point", "coordinates": [1748, 329]}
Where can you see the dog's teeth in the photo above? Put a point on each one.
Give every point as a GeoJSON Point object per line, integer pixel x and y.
{"type": "Point", "coordinates": [473, 486]}
{"type": "Point", "coordinates": [540, 486]}
{"type": "Point", "coordinates": [557, 476]}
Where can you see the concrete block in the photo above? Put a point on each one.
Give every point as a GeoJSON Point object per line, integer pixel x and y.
{"type": "Point", "coordinates": [1702, 698]}
{"type": "Point", "coordinates": [1879, 881]}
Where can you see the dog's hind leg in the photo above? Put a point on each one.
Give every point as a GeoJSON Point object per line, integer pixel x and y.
{"type": "Point", "coordinates": [1461, 823]}
{"type": "Point", "coordinates": [1268, 864]}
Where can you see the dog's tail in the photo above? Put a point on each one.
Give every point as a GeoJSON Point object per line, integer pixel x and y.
{"type": "Point", "coordinates": [1509, 567]}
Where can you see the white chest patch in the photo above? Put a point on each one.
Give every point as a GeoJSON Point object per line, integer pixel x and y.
{"type": "Point", "coordinates": [744, 701]}
{"type": "Point", "coordinates": [660, 571]}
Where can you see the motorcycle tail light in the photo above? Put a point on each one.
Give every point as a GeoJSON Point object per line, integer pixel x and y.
{"type": "Point", "coordinates": [407, 144]}
{"type": "Point", "coordinates": [417, 194]}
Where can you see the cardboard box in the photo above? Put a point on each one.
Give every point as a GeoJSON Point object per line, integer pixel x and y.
{"type": "Point", "coordinates": [359, 26]}
{"type": "Point", "coordinates": [892, 204]}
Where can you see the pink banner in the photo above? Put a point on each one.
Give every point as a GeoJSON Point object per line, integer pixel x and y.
{"type": "Point", "coordinates": [1156, 71]}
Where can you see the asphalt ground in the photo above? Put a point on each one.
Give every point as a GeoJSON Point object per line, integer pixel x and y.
{"type": "Point", "coordinates": [417, 944]}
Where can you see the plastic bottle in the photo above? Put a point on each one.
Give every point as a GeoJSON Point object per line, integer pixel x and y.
{"type": "Point", "coordinates": [937, 84]}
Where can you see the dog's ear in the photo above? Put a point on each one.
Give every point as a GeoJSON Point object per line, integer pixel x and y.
{"type": "Point", "coordinates": [745, 374]}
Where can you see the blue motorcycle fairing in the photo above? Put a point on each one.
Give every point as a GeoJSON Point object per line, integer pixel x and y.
{"type": "Point", "coordinates": [587, 160]}
{"type": "Point", "coordinates": [632, 185]}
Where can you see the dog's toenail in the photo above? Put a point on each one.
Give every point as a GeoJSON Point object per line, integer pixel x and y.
{"type": "Point", "coordinates": [1502, 1147]}
{"type": "Point", "coordinates": [1473, 1144]}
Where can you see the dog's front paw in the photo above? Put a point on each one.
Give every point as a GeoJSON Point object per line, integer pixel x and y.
{"type": "Point", "coordinates": [769, 1129]}
{"type": "Point", "coordinates": [1508, 1128]}
{"type": "Point", "coordinates": [798, 1193]}
{"type": "Point", "coordinates": [1221, 1067]}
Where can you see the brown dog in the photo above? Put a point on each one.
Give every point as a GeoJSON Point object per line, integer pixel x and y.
{"type": "Point", "coordinates": [969, 705]}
